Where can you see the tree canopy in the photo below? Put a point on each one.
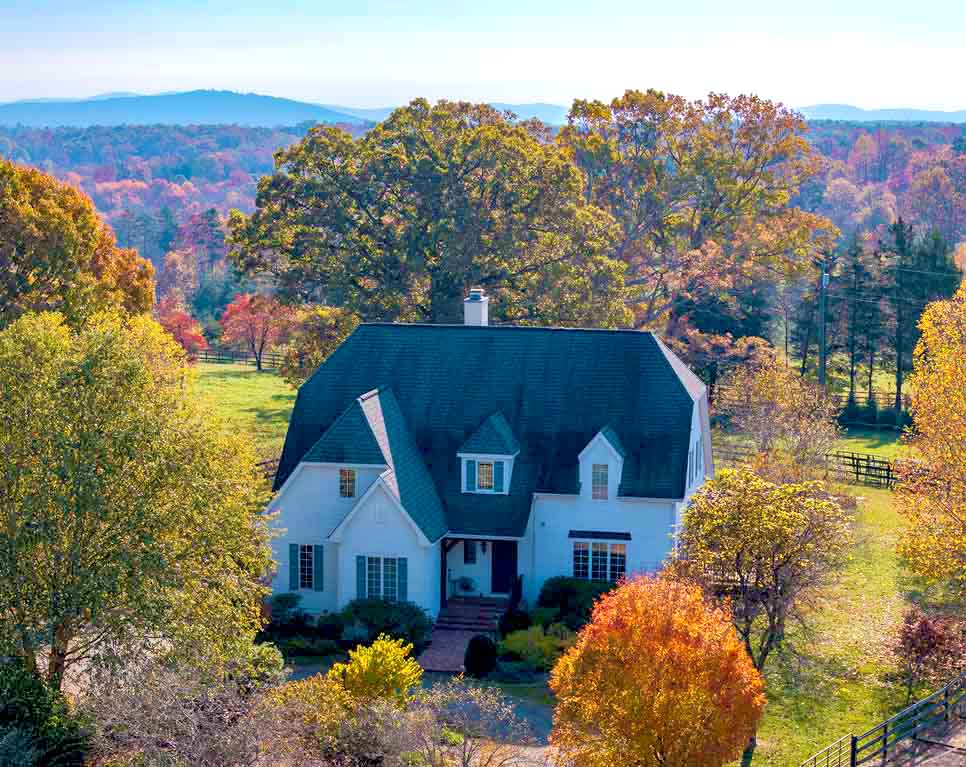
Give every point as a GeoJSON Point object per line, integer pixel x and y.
{"type": "Point", "coordinates": [56, 253]}
{"type": "Point", "coordinates": [129, 517]}
{"type": "Point", "coordinates": [399, 223]}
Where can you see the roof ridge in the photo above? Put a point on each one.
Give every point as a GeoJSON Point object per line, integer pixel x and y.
{"type": "Point", "coordinates": [455, 325]}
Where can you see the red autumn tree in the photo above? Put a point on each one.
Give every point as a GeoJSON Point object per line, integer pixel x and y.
{"type": "Point", "coordinates": [658, 678]}
{"type": "Point", "coordinates": [185, 328]}
{"type": "Point", "coordinates": [255, 323]}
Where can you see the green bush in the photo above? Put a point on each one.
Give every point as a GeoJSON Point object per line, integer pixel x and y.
{"type": "Point", "coordinates": [480, 658]}
{"type": "Point", "coordinates": [400, 620]}
{"type": "Point", "coordinates": [537, 648]}
{"type": "Point", "coordinates": [287, 618]}
{"type": "Point", "coordinates": [573, 598]}
{"type": "Point", "coordinates": [330, 626]}
{"type": "Point", "coordinates": [544, 616]}
{"type": "Point", "coordinates": [306, 646]}
{"type": "Point", "coordinates": [513, 620]}
{"type": "Point", "coordinates": [259, 667]}
{"type": "Point", "coordinates": [851, 413]}
{"type": "Point", "coordinates": [36, 716]}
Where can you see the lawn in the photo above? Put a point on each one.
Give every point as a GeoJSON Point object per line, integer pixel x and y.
{"type": "Point", "coordinates": [256, 403]}
{"type": "Point", "coordinates": [832, 679]}
{"type": "Point", "coordinates": [884, 442]}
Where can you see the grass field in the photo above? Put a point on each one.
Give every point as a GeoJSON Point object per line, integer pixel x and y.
{"type": "Point", "coordinates": [257, 403]}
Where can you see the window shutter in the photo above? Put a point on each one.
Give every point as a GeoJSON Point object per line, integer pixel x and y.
{"type": "Point", "coordinates": [471, 476]}
{"type": "Point", "coordinates": [361, 577]}
{"type": "Point", "coordinates": [318, 562]}
{"type": "Point", "coordinates": [498, 476]}
{"type": "Point", "coordinates": [293, 567]}
{"type": "Point", "coordinates": [402, 576]}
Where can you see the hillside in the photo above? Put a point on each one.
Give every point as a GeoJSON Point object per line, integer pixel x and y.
{"type": "Point", "coordinates": [190, 108]}
{"type": "Point", "coordinates": [850, 113]}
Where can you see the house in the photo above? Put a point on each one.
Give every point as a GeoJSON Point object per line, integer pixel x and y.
{"type": "Point", "coordinates": [426, 461]}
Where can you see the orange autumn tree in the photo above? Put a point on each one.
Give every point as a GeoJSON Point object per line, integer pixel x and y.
{"type": "Point", "coordinates": [658, 678]}
{"type": "Point", "coordinates": [186, 330]}
{"type": "Point", "coordinates": [255, 323]}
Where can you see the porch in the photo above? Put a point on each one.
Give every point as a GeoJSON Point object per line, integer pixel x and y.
{"type": "Point", "coordinates": [477, 568]}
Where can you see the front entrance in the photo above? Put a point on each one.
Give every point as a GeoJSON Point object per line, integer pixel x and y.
{"type": "Point", "coordinates": [504, 567]}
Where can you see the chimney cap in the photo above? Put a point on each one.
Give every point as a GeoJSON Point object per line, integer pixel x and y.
{"type": "Point", "coordinates": [476, 294]}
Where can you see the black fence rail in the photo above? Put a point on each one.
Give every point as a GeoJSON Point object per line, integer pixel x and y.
{"type": "Point", "coordinates": [270, 360]}
{"type": "Point", "coordinates": [914, 723]}
{"type": "Point", "coordinates": [268, 467]}
{"type": "Point", "coordinates": [841, 466]}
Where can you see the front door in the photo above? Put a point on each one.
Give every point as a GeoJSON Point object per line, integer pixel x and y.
{"type": "Point", "coordinates": [504, 566]}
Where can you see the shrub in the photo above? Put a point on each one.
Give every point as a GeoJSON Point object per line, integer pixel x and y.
{"type": "Point", "coordinates": [33, 713]}
{"type": "Point", "coordinates": [308, 647]}
{"type": "Point", "coordinates": [480, 658]}
{"type": "Point", "coordinates": [258, 666]}
{"type": "Point", "coordinates": [513, 620]}
{"type": "Point", "coordinates": [402, 620]}
{"type": "Point", "coordinates": [514, 672]}
{"type": "Point", "coordinates": [537, 648]}
{"type": "Point", "coordinates": [330, 626]}
{"type": "Point", "coordinates": [382, 671]}
{"type": "Point", "coordinates": [870, 413]}
{"type": "Point", "coordinates": [544, 616]}
{"type": "Point", "coordinates": [287, 619]}
{"type": "Point", "coordinates": [851, 413]}
{"type": "Point", "coordinates": [573, 598]}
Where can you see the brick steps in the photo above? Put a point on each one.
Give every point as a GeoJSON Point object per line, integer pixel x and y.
{"type": "Point", "coordinates": [457, 623]}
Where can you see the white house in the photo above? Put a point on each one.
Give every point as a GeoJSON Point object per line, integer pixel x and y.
{"type": "Point", "coordinates": [423, 461]}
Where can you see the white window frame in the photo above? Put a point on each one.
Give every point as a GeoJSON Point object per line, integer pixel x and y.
{"type": "Point", "coordinates": [478, 458]}
{"type": "Point", "coordinates": [310, 572]}
{"type": "Point", "coordinates": [380, 571]}
{"type": "Point", "coordinates": [595, 487]}
{"type": "Point", "coordinates": [479, 476]}
{"type": "Point", "coordinates": [589, 546]}
{"type": "Point", "coordinates": [345, 477]}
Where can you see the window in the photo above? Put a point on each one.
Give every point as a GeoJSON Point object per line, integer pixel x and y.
{"type": "Point", "coordinates": [384, 578]}
{"type": "Point", "coordinates": [306, 566]}
{"type": "Point", "coordinates": [469, 552]}
{"type": "Point", "coordinates": [374, 579]}
{"type": "Point", "coordinates": [484, 476]}
{"type": "Point", "coordinates": [389, 579]}
{"type": "Point", "coordinates": [598, 481]}
{"type": "Point", "coordinates": [600, 561]}
{"type": "Point", "coordinates": [581, 560]}
{"type": "Point", "coordinates": [347, 483]}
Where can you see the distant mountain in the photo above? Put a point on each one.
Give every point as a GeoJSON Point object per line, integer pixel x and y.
{"type": "Point", "coordinates": [189, 108]}
{"type": "Point", "coordinates": [855, 114]}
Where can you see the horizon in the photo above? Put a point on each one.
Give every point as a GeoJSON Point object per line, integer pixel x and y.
{"type": "Point", "coordinates": [529, 52]}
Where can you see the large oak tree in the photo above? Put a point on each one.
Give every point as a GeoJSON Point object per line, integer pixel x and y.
{"type": "Point", "coordinates": [399, 223]}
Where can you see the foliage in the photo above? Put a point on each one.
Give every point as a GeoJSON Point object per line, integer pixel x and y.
{"type": "Point", "coordinates": [316, 333]}
{"type": "Point", "coordinates": [768, 547]}
{"type": "Point", "coordinates": [400, 223]}
{"type": "Point", "coordinates": [182, 326]}
{"type": "Point", "coordinates": [137, 517]}
{"type": "Point", "coordinates": [658, 678]}
{"type": "Point", "coordinates": [513, 620]}
{"type": "Point", "coordinates": [932, 491]}
{"type": "Point", "coordinates": [402, 620]}
{"type": "Point", "coordinates": [929, 648]}
{"type": "Point", "coordinates": [35, 716]}
{"type": "Point", "coordinates": [782, 414]}
{"type": "Point", "coordinates": [57, 255]}
{"type": "Point", "coordinates": [255, 323]}
{"type": "Point", "coordinates": [573, 598]}
{"type": "Point", "coordinates": [382, 670]}
{"type": "Point", "coordinates": [538, 647]}
{"type": "Point", "coordinates": [480, 657]}
{"type": "Point", "coordinates": [303, 646]}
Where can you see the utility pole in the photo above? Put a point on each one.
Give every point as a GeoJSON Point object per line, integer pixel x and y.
{"type": "Point", "coordinates": [822, 343]}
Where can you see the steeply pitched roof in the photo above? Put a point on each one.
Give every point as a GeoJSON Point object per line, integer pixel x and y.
{"type": "Point", "coordinates": [494, 437]}
{"type": "Point", "coordinates": [610, 435]}
{"type": "Point", "coordinates": [556, 389]}
{"type": "Point", "coordinates": [348, 440]}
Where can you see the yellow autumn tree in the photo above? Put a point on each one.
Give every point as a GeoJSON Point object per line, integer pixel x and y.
{"type": "Point", "coordinates": [932, 490]}
{"type": "Point", "coordinates": [658, 678]}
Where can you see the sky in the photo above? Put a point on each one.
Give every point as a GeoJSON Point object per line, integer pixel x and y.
{"type": "Point", "coordinates": [870, 54]}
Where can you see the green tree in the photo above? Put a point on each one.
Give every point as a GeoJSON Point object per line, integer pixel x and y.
{"type": "Point", "coordinates": [399, 223]}
{"type": "Point", "coordinates": [56, 254]}
{"type": "Point", "coordinates": [129, 518]}
{"type": "Point", "coordinates": [316, 332]}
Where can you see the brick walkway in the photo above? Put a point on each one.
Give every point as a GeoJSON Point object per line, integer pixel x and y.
{"type": "Point", "coordinates": [446, 650]}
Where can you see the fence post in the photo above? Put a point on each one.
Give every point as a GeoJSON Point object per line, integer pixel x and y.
{"type": "Point", "coordinates": [854, 752]}
{"type": "Point", "coordinates": [946, 704]}
{"type": "Point", "coordinates": [885, 742]}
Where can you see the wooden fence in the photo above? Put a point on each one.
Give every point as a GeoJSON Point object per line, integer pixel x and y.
{"type": "Point", "coordinates": [270, 360]}
{"type": "Point", "coordinates": [912, 723]}
{"type": "Point", "coordinates": [841, 466]}
{"type": "Point", "coordinates": [268, 467]}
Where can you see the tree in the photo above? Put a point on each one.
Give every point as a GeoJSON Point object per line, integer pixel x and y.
{"type": "Point", "coordinates": [931, 492]}
{"type": "Point", "coordinates": [400, 223]}
{"type": "Point", "coordinates": [182, 326]}
{"type": "Point", "coordinates": [382, 670]}
{"type": "Point", "coordinates": [56, 254]}
{"type": "Point", "coordinates": [316, 333]}
{"type": "Point", "coordinates": [768, 548]}
{"type": "Point", "coordinates": [130, 519]}
{"type": "Point", "coordinates": [701, 190]}
{"type": "Point", "coordinates": [256, 323]}
{"type": "Point", "coordinates": [658, 678]}
{"type": "Point", "coordinates": [929, 648]}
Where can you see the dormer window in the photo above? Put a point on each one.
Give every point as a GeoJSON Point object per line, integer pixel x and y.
{"type": "Point", "coordinates": [484, 476]}
{"type": "Point", "coordinates": [486, 458]}
{"type": "Point", "coordinates": [599, 482]}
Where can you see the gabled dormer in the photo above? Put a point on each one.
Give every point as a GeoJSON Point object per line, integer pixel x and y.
{"type": "Point", "coordinates": [486, 458]}
{"type": "Point", "coordinates": [601, 464]}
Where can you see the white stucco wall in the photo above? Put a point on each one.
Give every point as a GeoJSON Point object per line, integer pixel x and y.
{"type": "Point", "coordinates": [308, 509]}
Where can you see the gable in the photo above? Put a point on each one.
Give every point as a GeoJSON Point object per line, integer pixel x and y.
{"type": "Point", "coordinates": [555, 388]}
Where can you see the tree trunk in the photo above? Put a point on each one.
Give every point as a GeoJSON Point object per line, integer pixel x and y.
{"type": "Point", "coordinates": [749, 753]}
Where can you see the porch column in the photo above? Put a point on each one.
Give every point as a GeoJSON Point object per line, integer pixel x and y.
{"type": "Point", "coordinates": [444, 546]}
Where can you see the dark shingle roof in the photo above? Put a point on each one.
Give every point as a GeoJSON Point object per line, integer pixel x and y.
{"type": "Point", "coordinates": [494, 437]}
{"type": "Point", "coordinates": [556, 389]}
{"type": "Point", "coordinates": [610, 435]}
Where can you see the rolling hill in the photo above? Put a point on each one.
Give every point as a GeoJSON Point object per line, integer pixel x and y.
{"type": "Point", "coordinates": [846, 112]}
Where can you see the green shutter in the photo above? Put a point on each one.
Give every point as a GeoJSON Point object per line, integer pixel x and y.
{"type": "Point", "coordinates": [470, 476]}
{"type": "Point", "coordinates": [498, 476]}
{"type": "Point", "coordinates": [402, 575]}
{"type": "Point", "coordinates": [318, 562]}
{"type": "Point", "coordinates": [293, 567]}
{"type": "Point", "coordinates": [361, 577]}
